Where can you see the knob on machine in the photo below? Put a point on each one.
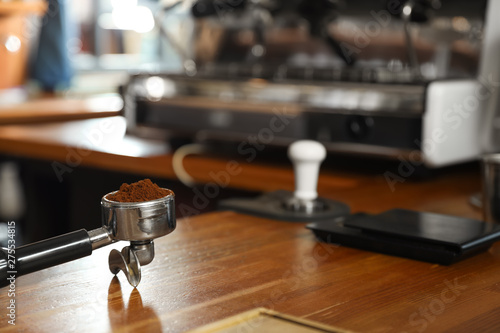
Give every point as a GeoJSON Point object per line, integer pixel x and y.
{"type": "Point", "coordinates": [137, 222]}
{"type": "Point", "coordinates": [302, 205]}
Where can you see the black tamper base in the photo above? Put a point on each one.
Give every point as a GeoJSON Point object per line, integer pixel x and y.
{"type": "Point", "coordinates": [273, 205]}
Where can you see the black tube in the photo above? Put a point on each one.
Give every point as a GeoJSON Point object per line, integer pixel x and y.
{"type": "Point", "coordinates": [46, 253]}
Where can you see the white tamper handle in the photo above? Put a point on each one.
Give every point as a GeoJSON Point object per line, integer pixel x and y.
{"type": "Point", "coordinates": [306, 156]}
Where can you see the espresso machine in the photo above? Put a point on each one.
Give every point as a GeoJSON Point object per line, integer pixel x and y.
{"type": "Point", "coordinates": [408, 80]}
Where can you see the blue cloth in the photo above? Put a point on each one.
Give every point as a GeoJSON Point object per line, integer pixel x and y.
{"type": "Point", "coordinates": [52, 67]}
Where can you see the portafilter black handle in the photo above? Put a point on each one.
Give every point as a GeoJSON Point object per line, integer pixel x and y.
{"type": "Point", "coordinates": [43, 254]}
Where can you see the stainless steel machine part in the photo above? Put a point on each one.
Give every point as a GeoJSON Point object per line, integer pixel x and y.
{"type": "Point", "coordinates": [126, 261]}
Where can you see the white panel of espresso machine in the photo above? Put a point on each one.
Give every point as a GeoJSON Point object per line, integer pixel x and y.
{"type": "Point", "coordinates": [390, 78]}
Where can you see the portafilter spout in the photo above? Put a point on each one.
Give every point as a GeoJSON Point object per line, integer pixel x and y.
{"type": "Point", "coordinates": [137, 222]}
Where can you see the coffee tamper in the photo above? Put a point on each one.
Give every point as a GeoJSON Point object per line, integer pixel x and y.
{"type": "Point", "coordinates": [306, 156]}
{"type": "Point", "coordinates": [302, 205]}
{"type": "Point", "coordinates": [136, 222]}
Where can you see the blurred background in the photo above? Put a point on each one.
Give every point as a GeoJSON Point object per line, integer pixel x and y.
{"type": "Point", "coordinates": [371, 80]}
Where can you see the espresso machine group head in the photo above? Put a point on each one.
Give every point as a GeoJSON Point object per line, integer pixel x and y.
{"type": "Point", "coordinates": [137, 222]}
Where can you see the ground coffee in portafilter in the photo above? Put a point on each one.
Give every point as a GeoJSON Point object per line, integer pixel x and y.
{"type": "Point", "coordinates": [143, 190]}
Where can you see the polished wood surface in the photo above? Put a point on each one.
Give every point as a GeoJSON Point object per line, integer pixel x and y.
{"type": "Point", "coordinates": [100, 142]}
{"type": "Point", "coordinates": [53, 109]}
{"type": "Point", "coordinates": [220, 264]}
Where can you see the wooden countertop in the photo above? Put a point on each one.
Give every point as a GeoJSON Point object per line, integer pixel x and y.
{"type": "Point", "coordinates": [220, 264]}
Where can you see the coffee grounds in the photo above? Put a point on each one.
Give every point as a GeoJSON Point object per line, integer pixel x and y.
{"type": "Point", "coordinates": [143, 190]}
